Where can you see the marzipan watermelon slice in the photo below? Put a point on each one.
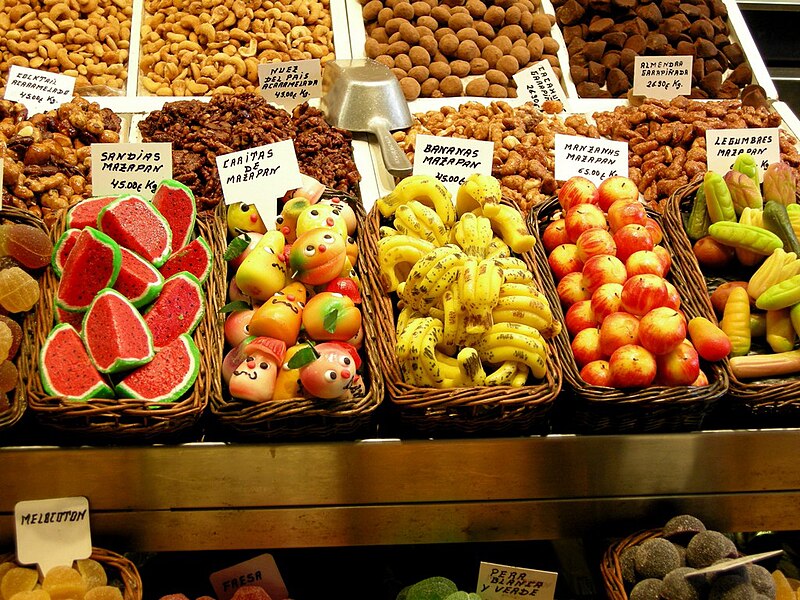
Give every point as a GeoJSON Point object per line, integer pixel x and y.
{"type": "Point", "coordinates": [84, 213]}
{"type": "Point", "coordinates": [177, 310]}
{"type": "Point", "coordinates": [115, 334]}
{"type": "Point", "coordinates": [138, 280]}
{"type": "Point", "coordinates": [167, 377]}
{"type": "Point", "coordinates": [63, 247]}
{"type": "Point", "coordinates": [66, 369]}
{"type": "Point", "coordinates": [195, 258]}
{"type": "Point", "coordinates": [136, 224]}
{"type": "Point", "coordinates": [176, 202]}
{"type": "Point", "coordinates": [92, 264]}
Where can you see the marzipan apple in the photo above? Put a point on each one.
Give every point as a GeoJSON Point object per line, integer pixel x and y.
{"type": "Point", "coordinates": [577, 190]}
{"type": "Point", "coordinates": [644, 261]}
{"type": "Point", "coordinates": [597, 373]}
{"type": "Point", "coordinates": [618, 329]}
{"type": "Point", "coordinates": [679, 367]}
{"type": "Point", "coordinates": [662, 329]}
{"type": "Point", "coordinates": [613, 189]}
{"type": "Point", "coordinates": [624, 212]}
{"type": "Point", "coordinates": [607, 299]}
{"type": "Point", "coordinates": [586, 346]}
{"type": "Point", "coordinates": [632, 366]}
{"type": "Point", "coordinates": [564, 259]}
{"type": "Point", "coordinates": [643, 293]}
{"type": "Point", "coordinates": [572, 289]}
{"type": "Point", "coordinates": [630, 238]}
{"type": "Point", "coordinates": [554, 235]}
{"type": "Point", "coordinates": [582, 217]}
{"type": "Point", "coordinates": [601, 269]}
{"type": "Point", "coordinates": [595, 241]}
{"type": "Point", "coordinates": [579, 316]}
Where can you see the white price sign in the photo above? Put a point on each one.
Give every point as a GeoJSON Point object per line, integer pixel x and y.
{"type": "Point", "coordinates": [664, 77]}
{"type": "Point", "coordinates": [540, 84]}
{"type": "Point", "coordinates": [290, 83]}
{"type": "Point", "coordinates": [592, 158]}
{"type": "Point", "coordinates": [501, 582]}
{"type": "Point", "coordinates": [260, 176]}
{"type": "Point", "coordinates": [39, 91]}
{"type": "Point", "coordinates": [260, 571]}
{"type": "Point", "coordinates": [451, 160]}
{"type": "Point", "coordinates": [724, 145]}
{"type": "Point", "coordinates": [130, 168]}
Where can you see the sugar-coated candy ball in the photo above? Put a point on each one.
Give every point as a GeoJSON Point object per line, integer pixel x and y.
{"type": "Point", "coordinates": [647, 589]}
{"type": "Point", "coordinates": [678, 587]}
{"type": "Point", "coordinates": [731, 587]}
{"type": "Point", "coordinates": [16, 335]}
{"type": "Point", "coordinates": [627, 563]}
{"type": "Point", "coordinates": [682, 528]}
{"type": "Point", "coordinates": [655, 558]}
{"type": "Point", "coordinates": [761, 579]}
{"type": "Point", "coordinates": [6, 340]}
{"type": "Point", "coordinates": [707, 547]}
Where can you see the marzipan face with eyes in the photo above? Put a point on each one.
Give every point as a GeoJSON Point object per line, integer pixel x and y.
{"type": "Point", "coordinates": [332, 374]}
{"type": "Point", "coordinates": [317, 256]}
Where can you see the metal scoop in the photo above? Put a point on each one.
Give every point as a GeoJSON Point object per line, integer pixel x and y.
{"type": "Point", "coordinates": [364, 95]}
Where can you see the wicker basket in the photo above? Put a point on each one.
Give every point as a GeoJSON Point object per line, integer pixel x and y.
{"type": "Point", "coordinates": [752, 403]}
{"type": "Point", "coordinates": [17, 403]}
{"type": "Point", "coordinates": [120, 571]}
{"type": "Point", "coordinates": [134, 420]}
{"type": "Point", "coordinates": [311, 418]}
{"type": "Point", "coordinates": [610, 568]}
{"type": "Point", "coordinates": [595, 409]}
{"type": "Point", "coordinates": [451, 412]}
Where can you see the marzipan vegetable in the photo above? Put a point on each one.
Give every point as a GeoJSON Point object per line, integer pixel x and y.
{"type": "Point", "coordinates": [780, 332]}
{"type": "Point", "coordinates": [736, 321]}
{"type": "Point", "coordinates": [747, 237]}
{"type": "Point", "coordinates": [744, 193]}
{"type": "Point", "coordinates": [698, 221]}
{"type": "Point", "coordinates": [766, 365]}
{"type": "Point", "coordinates": [746, 164]}
{"type": "Point", "coordinates": [718, 198]}
{"type": "Point", "coordinates": [770, 272]}
{"type": "Point", "coordinates": [750, 216]}
{"type": "Point", "coordinates": [781, 295]}
{"type": "Point", "coordinates": [776, 219]}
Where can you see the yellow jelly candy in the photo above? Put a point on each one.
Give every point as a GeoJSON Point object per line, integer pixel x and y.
{"type": "Point", "coordinates": [6, 339]}
{"type": "Point", "coordinates": [783, 590]}
{"type": "Point", "coordinates": [103, 592]}
{"type": "Point", "coordinates": [39, 594]}
{"type": "Point", "coordinates": [18, 290]}
{"type": "Point", "coordinates": [64, 583]}
{"type": "Point", "coordinates": [5, 568]}
{"type": "Point", "coordinates": [93, 573]}
{"type": "Point", "coordinates": [18, 579]}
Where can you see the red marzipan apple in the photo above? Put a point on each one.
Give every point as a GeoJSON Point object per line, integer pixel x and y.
{"type": "Point", "coordinates": [595, 241]}
{"type": "Point", "coordinates": [679, 367]}
{"type": "Point", "coordinates": [572, 289]}
{"type": "Point", "coordinates": [643, 293]}
{"type": "Point", "coordinates": [655, 230]}
{"type": "Point", "coordinates": [601, 269]}
{"type": "Point", "coordinates": [564, 259]}
{"type": "Point", "coordinates": [624, 212]}
{"type": "Point", "coordinates": [709, 340]}
{"type": "Point", "coordinates": [607, 299]}
{"type": "Point", "coordinates": [554, 235]}
{"type": "Point", "coordinates": [616, 188]}
{"type": "Point", "coordinates": [582, 217]}
{"type": "Point", "coordinates": [586, 346]}
{"type": "Point", "coordinates": [632, 366]}
{"type": "Point", "coordinates": [579, 317]}
{"type": "Point", "coordinates": [631, 238]}
{"type": "Point", "coordinates": [673, 297]}
{"type": "Point", "coordinates": [662, 329]}
{"type": "Point", "coordinates": [702, 380]}
{"type": "Point", "coordinates": [597, 373]}
{"type": "Point", "coordinates": [577, 190]}
{"type": "Point", "coordinates": [665, 257]}
{"type": "Point", "coordinates": [644, 261]}
{"type": "Point", "coordinates": [236, 326]}
{"type": "Point", "coordinates": [618, 329]}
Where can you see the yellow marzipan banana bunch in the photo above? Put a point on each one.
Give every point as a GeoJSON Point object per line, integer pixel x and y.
{"type": "Point", "coordinates": [476, 191]}
{"type": "Point", "coordinates": [426, 285]}
{"type": "Point", "coordinates": [439, 370]}
{"type": "Point", "coordinates": [497, 248]}
{"type": "Point", "coordinates": [425, 189]}
{"type": "Point", "coordinates": [514, 341]}
{"type": "Point", "coordinates": [769, 273]}
{"type": "Point", "coordinates": [473, 234]}
{"type": "Point", "coordinates": [504, 374]}
{"type": "Point", "coordinates": [397, 255]}
{"type": "Point", "coordinates": [421, 221]}
{"type": "Point", "coordinates": [509, 224]}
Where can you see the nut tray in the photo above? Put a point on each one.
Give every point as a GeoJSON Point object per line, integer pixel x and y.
{"type": "Point", "coordinates": [595, 409]}
{"type": "Point", "coordinates": [139, 420]}
{"type": "Point", "coordinates": [310, 418]}
{"type": "Point", "coordinates": [449, 412]}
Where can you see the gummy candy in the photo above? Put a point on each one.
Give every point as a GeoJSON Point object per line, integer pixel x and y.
{"type": "Point", "coordinates": [35, 594]}
{"type": "Point", "coordinates": [5, 405]}
{"type": "Point", "coordinates": [28, 244]}
{"type": "Point", "coordinates": [251, 592]}
{"type": "Point", "coordinates": [8, 376]}
{"type": "Point", "coordinates": [18, 580]}
{"type": "Point", "coordinates": [16, 335]}
{"type": "Point", "coordinates": [5, 568]}
{"type": "Point", "coordinates": [103, 592]}
{"type": "Point", "coordinates": [6, 340]}
{"type": "Point", "coordinates": [18, 290]}
{"type": "Point", "coordinates": [63, 583]}
{"type": "Point", "coordinates": [93, 573]}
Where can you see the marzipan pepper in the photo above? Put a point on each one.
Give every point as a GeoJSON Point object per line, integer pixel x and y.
{"type": "Point", "coordinates": [780, 184]}
{"type": "Point", "coordinates": [718, 198]}
{"type": "Point", "coordinates": [780, 331]}
{"type": "Point", "coordinates": [746, 237]}
{"type": "Point", "coordinates": [793, 210]}
{"type": "Point", "coordinates": [698, 220]}
{"type": "Point", "coordinates": [736, 321]}
{"type": "Point", "coordinates": [744, 192]}
{"type": "Point", "coordinates": [750, 216]}
{"type": "Point", "coordinates": [781, 295]}
{"type": "Point", "coordinates": [746, 164]}
{"type": "Point", "coordinates": [776, 219]}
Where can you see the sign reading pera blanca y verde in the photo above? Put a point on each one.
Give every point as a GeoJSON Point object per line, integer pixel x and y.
{"type": "Point", "coordinates": [130, 168]}
{"type": "Point", "coordinates": [593, 158]}
{"type": "Point", "coordinates": [502, 582]}
{"type": "Point", "coordinates": [39, 91]}
{"type": "Point", "coordinates": [290, 83]}
{"type": "Point", "coordinates": [260, 176]}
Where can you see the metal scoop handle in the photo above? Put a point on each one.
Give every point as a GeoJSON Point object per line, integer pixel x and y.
{"type": "Point", "coordinates": [394, 158]}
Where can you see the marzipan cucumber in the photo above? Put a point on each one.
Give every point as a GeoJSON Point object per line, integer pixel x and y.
{"type": "Point", "coordinates": [776, 219]}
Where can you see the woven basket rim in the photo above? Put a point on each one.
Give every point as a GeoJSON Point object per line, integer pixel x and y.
{"type": "Point", "coordinates": [643, 405]}
{"type": "Point", "coordinates": [309, 417]}
{"type": "Point", "coordinates": [610, 567]}
{"type": "Point", "coordinates": [17, 402]}
{"type": "Point", "coordinates": [467, 409]}
{"type": "Point", "coordinates": [775, 394]}
{"type": "Point", "coordinates": [126, 570]}
{"type": "Point", "coordinates": [129, 418]}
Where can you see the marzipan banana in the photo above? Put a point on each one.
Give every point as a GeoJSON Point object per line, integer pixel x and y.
{"type": "Point", "coordinates": [476, 191]}
{"type": "Point", "coordinates": [397, 255]}
{"type": "Point", "coordinates": [514, 341]}
{"type": "Point", "coordinates": [423, 188]}
{"type": "Point", "coordinates": [509, 224]}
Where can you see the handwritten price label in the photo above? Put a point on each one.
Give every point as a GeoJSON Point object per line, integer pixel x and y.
{"type": "Point", "coordinates": [540, 84]}
{"type": "Point", "coordinates": [130, 168]}
{"type": "Point", "coordinates": [592, 158]}
{"type": "Point", "coordinates": [452, 160]}
{"type": "Point", "coordinates": [501, 582]}
{"type": "Point", "coordinates": [664, 77]}
{"type": "Point", "coordinates": [290, 83]}
{"type": "Point", "coordinates": [39, 91]}
{"type": "Point", "coordinates": [724, 145]}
